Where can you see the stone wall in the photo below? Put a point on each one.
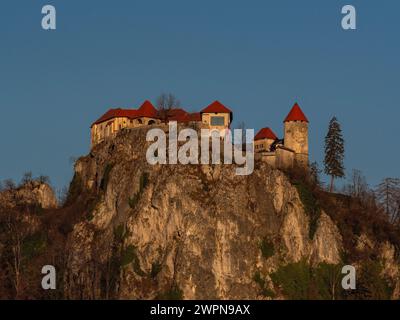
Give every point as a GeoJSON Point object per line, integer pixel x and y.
{"type": "Point", "coordinates": [296, 138]}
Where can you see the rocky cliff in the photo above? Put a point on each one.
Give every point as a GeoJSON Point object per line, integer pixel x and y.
{"type": "Point", "coordinates": [130, 230]}
{"type": "Point", "coordinates": [198, 231]}
{"type": "Point", "coordinates": [31, 193]}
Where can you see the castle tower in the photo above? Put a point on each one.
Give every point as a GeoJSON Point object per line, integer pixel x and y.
{"type": "Point", "coordinates": [296, 134]}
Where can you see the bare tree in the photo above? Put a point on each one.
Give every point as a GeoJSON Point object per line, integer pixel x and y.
{"type": "Point", "coordinates": [43, 179]}
{"type": "Point", "coordinates": [17, 231]}
{"type": "Point", "coordinates": [388, 195]}
{"type": "Point", "coordinates": [315, 174]}
{"type": "Point", "coordinates": [26, 178]}
{"type": "Point", "coordinates": [358, 186]}
{"type": "Point", "coordinates": [166, 102]}
{"type": "Point", "coordinates": [9, 184]}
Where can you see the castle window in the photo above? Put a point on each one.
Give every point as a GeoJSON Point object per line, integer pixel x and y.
{"type": "Point", "coordinates": [217, 121]}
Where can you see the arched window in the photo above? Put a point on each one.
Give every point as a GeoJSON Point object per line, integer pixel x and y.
{"type": "Point", "coordinates": [151, 122]}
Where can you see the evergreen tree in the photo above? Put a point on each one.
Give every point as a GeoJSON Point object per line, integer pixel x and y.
{"type": "Point", "coordinates": [334, 152]}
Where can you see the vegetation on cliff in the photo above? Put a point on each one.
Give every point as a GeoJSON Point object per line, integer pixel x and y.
{"type": "Point", "coordinates": [130, 230]}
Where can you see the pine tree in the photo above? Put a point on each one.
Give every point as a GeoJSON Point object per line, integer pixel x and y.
{"type": "Point", "coordinates": [334, 152]}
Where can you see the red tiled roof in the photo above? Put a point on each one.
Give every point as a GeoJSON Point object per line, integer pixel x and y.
{"type": "Point", "coordinates": [175, 114]}
{"type": "Point", "coordinates": [296, 114]}
{"type": "Point", "coordinates": [147, 110]}
{"type": "Point", "coordinates": [216, 107]}
{"type": "Point", "coordinates": [196, 116]}
{"type": "Point", "coordinates": [116, 113]}
{"type": "Point", "coordinates": [265, 133]}
{"type": "Point", "coordinates": [181, 115]}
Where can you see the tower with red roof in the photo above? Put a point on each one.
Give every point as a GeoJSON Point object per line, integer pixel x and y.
{"type": "Point", "coordinates": [264, 139]}
{"type": "Point", "coordinates": [217, 117]}
{"type": "Point", "coordinates": [296, 134]}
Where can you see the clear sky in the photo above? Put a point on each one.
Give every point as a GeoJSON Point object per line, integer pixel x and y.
{"type": "Point", "coordinates": [257, 57]}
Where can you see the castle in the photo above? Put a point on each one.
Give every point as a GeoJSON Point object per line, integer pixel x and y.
{"type": "Point", "coordinates": [284, 153]}
{"type": "Point", "coordinates": [292, 149]}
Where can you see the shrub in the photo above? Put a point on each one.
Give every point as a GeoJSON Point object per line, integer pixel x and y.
{"type": "Point", "coordinates": [75, 189]}
{"type": "Point", "coordinates": [91, 205]}
{"type": "Point", "coordinates": [129, 256]}
{"type": "Point", "coordinates": [370, 284]}
{"type": "Point", "coordinates": [327, 278]}
{"type": "Point", "coordinates": [120, 233]}
{"type": "Point", "coordinates": [34, 245]}
{"type": "Point", "coordinates": [133, 201]}
{"type": "Point", "coordinates": [266, 292]}
{"type": "Point", "coordinates": [9, 184]}
{"type": "Point", "coordinates": [144, 181]}
{"type": "Point", "coordinates": [155, 269]}
{"type": "Point", "coordinates": [294, 280]}
{"type": "Point", "coordinates": [37, 209]}
{"type": "Point", "coordinates": [310, 204]}
{"type": "Point", "coordinates": [299, 281]}
{"type": "Point", "coordinates": [43, 179]}
{"type": "Point", "coordinates": [267, 248]}
{"type": "Point", "coordinates": [106, 177]}
{"type": "Point", "coordinates": [175, 293]}
{"type": "Point", "coordinates": [26, 178]}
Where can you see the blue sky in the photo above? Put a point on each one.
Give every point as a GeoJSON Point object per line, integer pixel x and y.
{"type": "Point", "coordinates": [257, 57]}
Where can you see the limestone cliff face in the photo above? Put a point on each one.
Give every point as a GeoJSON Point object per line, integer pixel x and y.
{"type": "Point", "coordinates": [31, 193]}
{"type": "Point", "coordinates": [199, 226]}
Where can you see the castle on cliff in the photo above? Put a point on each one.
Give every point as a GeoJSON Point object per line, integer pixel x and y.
{"type": "Point", "coordinates": [284, 153]}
